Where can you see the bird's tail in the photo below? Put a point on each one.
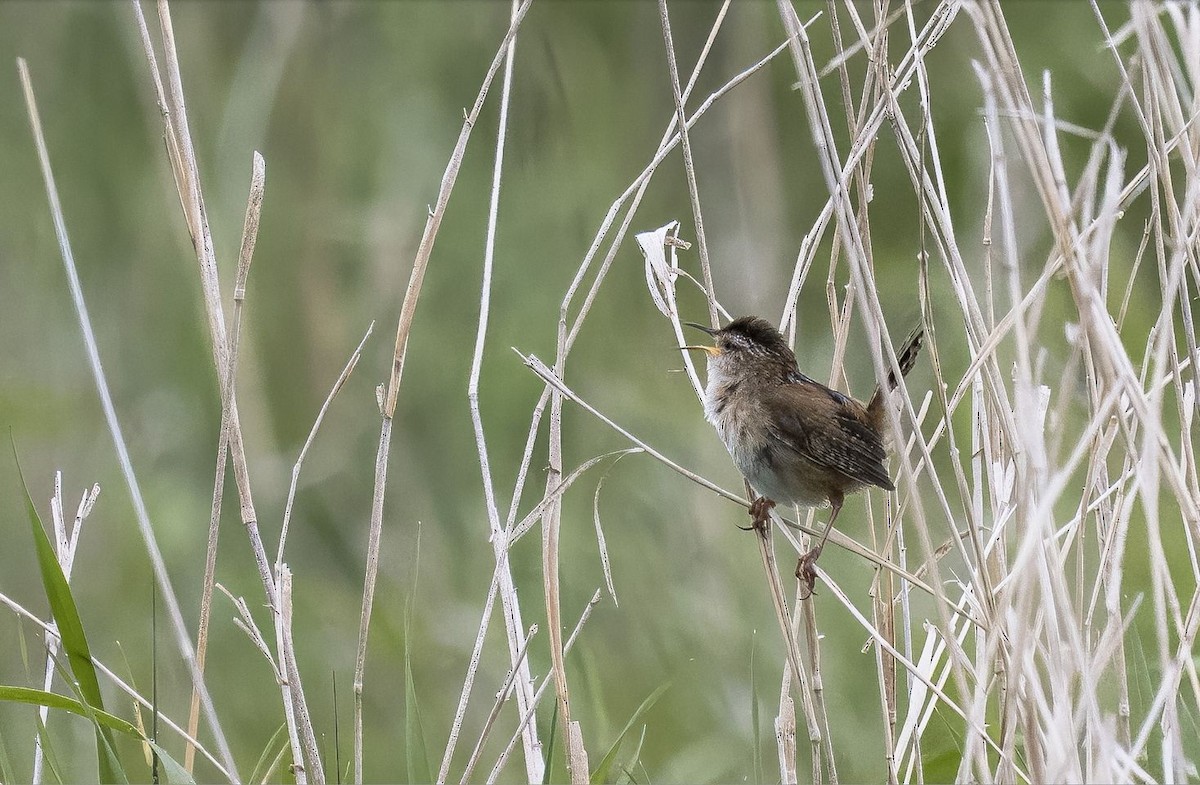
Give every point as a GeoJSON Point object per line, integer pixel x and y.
{"type": "Point", "coordinates": [907, 358]}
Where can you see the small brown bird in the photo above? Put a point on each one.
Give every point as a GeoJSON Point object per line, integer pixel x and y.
{"type": "Point", "coordinates": [795, 440]}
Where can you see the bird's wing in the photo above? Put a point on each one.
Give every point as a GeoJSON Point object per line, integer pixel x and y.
{"type": "Point", "coordinates": [845, 443]}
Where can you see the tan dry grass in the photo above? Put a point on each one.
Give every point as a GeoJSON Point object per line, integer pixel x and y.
{"type": "Point", "coordinates": [1020, 484]}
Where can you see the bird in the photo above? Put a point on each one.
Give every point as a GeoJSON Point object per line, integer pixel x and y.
{"type": "Point", "coordinates": [795, 440]}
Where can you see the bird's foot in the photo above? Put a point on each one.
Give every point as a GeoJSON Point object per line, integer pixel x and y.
{"type": "Point", "coordinates": [806, 572]}
{"type": "Point", "coordinates": [760, 514]}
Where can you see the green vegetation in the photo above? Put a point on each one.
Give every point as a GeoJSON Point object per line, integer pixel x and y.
{"type": "Point", "coordinates": [1020, 177]}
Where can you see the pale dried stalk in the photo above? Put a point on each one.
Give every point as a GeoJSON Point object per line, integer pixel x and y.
{"type": "Point", "coordinates": [883, 585]}
{"type": "Point", "coordinates": [185, 166]}
{"type": "Point", "coordinates": [245, 622]}
{"type": "Point", "coordinates": [785, 729]}
{"type": "Point", "coordinates": [812, 640]}
{"type": "Point", "coordinates": [142, 515]}
{"type": "Point", "coordinates": [793, 670]}
{"type": "Point", "coordinates": [636, 189]}
{"type": "Point", "coordinates": [576, 754]}
{"type": "Point", "coordinates": [66, 541]}
{"type": "Point", "coordinates": [117, 682]}
{"type": "Point", "coordinates": [305, 755]}
{"type": "Point", "coordinates": [373, 540]}
{"type": "Point", "coordinates": [249, 238]}
{"type": "Point", "coordinates": [689, 164]}
{"type": "Point", "coordinates": [537, 697]}
{"type": "Point", "coordinates": [343, 377]}
{"type": "Point", "coordinates": [194, 211]}
{"type": "Point", "coordinates": [577, 769]}
{"type": "Point", "coordinates": [498, 536]}
{"type": "Point", "coordinates": [389, 397]}
{"type": "Point", "coordinates": [501, 697]}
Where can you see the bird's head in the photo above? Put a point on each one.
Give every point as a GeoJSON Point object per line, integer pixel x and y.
{"type": "Point", "coordinates": [747, 345]}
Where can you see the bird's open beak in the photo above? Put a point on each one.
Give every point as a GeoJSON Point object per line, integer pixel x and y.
{"type": "Point", "coordinates": [711, 351]}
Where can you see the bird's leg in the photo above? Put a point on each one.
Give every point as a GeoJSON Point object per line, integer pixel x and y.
{"type": "Point", "coordinates": [804, 566]}
{"type": "Point", "coordinates": [760, 514]}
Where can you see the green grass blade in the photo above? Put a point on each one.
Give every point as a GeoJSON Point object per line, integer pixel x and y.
{"type": "Point", "coordinates": [603, 770]}
{"type": "Point", "coordinates": [108, 763]}
{"type": "Point", "coordinates": [416, 756]}
{"type": "Point", "coordinates": [548, 777]}
{"type": "Point", "coordinates": [414, 736]}
{"type": "Point", "coordinates": [170, 768]}
{"type": "Point", "coordinates": [70, 630]}
{"type": "Point", "coordinates": [625, 768]}
{"type": "Point", "coordinates": [269, 754]}
{"type": "Point", "coordinates": [175, 772]}
{"type": "Point", "coordinates": [62, 606]}
{"type": "Point", "coordinates": [24, 649]}
{"type": "Point", "coordinates": [755, 724]}
{"type": "Point", "coordinates": [6, 772]}
{"type": "Point", "coordinates": [55, 701]}
{"type": "Point", "coordinates": [49, 756]}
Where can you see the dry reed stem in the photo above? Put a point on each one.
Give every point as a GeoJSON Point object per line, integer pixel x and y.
{"type": "Point", "coordinates": [249, 238]}
{"type": "Point", "coordinates": [196, 215]}
{"type": "Point", "coordinates": [689, 164]}
{"type": "Point", "coordinates": [118, 682]}
{"type": "Point", "coordinates": [501, 697]}
{"type": "Point", "coordinates": [785, 729]}
{"type": "Point", "coordinates": [66, 541]}
{"type": "Point", "coordinates": [498, 536]}
{"type": "Point", "coordinates": [1017, 468]}
{"type": "Point", "coordinates": [306, 757]}
{"type": "Point", "coordinates": [577, 770]}
{"type": "Point", "coordinates": [182, 154]}
{"type": "Point", "coordinates": [142, 515]}
{"type": "Point", "coordinates": [576, 754]}
{"type": "Point", "coordinates": [389, 397]}
{"type": "Point", "coordinates": [1074, 467]}
{"type": "Point", "coordinates": [537, 697]}
{"type": "Point", "coordinates": [823, 732]}
{"type": "Point", "coordinates": [792, 661]}
{"type": "Point", "coordinates": [343, 377]}
{"type": "Point", "coordinates": [635, 190]}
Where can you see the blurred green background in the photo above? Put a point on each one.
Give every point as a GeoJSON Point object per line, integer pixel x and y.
{"type": "Point", "coordinates": [356, 107]}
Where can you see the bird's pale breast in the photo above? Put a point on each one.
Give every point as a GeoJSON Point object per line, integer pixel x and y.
{"type": "Point", "coordinates": [772, 468]}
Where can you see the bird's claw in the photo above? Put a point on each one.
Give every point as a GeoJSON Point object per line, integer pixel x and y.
{"type": "Point", "coordinates": [806, 572]}
{"type": "Point", "coordinates": [760, 513]}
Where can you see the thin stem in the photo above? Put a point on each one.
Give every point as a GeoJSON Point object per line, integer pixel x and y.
{"type": "Point", "coordinates": [514, 626]}
{"type": "Point", "coordinates": [141, 514]}
{"type": "Point", "coordinates": [391, 394]}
